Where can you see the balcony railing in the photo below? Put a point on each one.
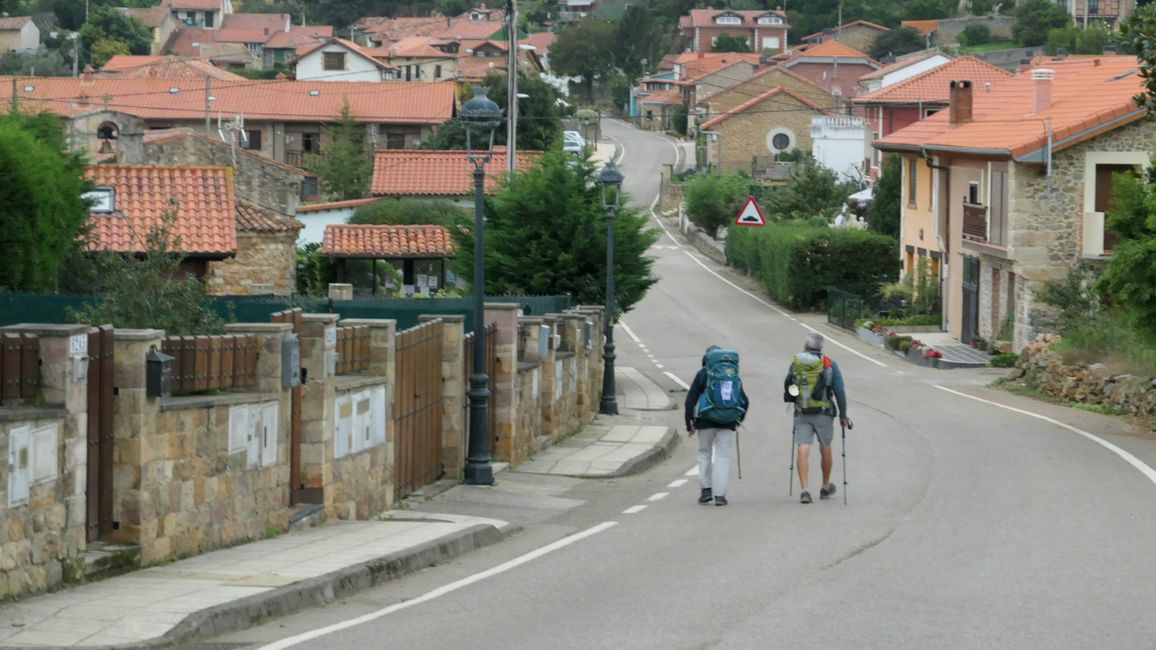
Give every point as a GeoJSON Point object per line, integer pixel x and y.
{"type": "Point", "coordinates": [974, 222]}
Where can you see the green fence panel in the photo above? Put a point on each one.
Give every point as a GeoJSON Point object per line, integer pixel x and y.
{"type": "Point", "coordinates": [39, 308]}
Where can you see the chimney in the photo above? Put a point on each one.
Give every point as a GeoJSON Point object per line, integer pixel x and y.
{"type": "Point", "coordinates": [266, 31]}
{"type": "Point", "coordinates": [1042, 89]}
{"type": "Point", "coordinates": [960, 104]}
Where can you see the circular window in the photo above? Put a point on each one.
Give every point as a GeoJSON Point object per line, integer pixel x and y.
{"type": "Point", "coordinates": [781, 141]}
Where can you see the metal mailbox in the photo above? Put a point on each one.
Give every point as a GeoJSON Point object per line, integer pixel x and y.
{"type": "Point", "coordinates": [290, 361]}
{"type": "Point", "coordinates": [158, 373]}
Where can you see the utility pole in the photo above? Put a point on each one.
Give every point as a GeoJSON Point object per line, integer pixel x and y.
{"type": "Point", "coordinates": [208, 106]}
{"type": "Point", "coordinates": [15, 97]}
{"type": "Point", "coordinates": [512, 89]}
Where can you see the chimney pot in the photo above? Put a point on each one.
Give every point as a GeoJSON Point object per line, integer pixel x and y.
{"type": "Point", "coordinates": [960, 104]}
{"type": "Point", "coordinates": [1042, 89]}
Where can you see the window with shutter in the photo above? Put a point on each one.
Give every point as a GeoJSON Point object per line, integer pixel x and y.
{"type": "Point", "coordinates": [998, 207]}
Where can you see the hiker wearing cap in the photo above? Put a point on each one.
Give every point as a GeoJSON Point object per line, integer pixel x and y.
{"type": "Point", "coordinates": [715, 405]}
{"type": "Point", "coordinates": [815, 386]}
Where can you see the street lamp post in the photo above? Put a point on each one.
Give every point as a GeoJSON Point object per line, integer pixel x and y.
{"type": "Point", "coordinates": [480, 115]}
{"type": "Point", "coordinates": [611, 182]}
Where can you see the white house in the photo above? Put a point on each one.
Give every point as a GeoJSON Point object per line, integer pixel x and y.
{"type": "Point", "coordinates": [337, 59]}
{"type": "Point", "coordinates": [18, 34]}
{"type": "Point", "coordinates": [904, 67]}
{"type": "Point", "coordinates": [842, 144]}
{"type": "Point", "coordinates": [206, 14]}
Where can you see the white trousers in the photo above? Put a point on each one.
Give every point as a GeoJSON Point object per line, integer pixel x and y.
{"type": "Point", "coordinates": [715, 475]}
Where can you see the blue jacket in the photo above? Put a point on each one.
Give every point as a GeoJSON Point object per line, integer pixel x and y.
{"type": "Point", "coordinates": [836, 388]}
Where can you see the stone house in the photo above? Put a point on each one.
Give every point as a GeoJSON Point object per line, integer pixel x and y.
{"type": "Point", "coordinates": [18, 34]}
{"type": "Point", "coordinates": [282, 120]}
{"type": "Point", "coordinates": [266, 259]}
{"type": "Point", "coordinates": [763, 80]}
{"type": "Point", "coordinates": [859, 34]}
{"type": "Point", "coordinates": [1020, 179]}
{"type": "Point", "coordinates": [337, 59]}
{"type": "Point", "coordinates": [763, 31]}
{"type": "Point", "coordinates": [160, 22]}
{"type": "Point", "coordinates": [750, 136]}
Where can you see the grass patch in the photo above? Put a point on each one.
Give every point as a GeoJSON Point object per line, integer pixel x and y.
{"type": "Point", "coordinates": [1004, 360]}
{"type": "Point", "coordinates": [987, 47]}
{"type": "Point", "coordinates": [1112, 341]}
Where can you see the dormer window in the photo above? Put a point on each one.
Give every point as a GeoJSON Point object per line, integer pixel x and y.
{"type": "Point", "coordinates": [102, 200]}
{"type": "Point", "coordinates": [770, 20]}
{"type": "Point", "coordinates": [728, 20]}
{"type": "Point", "coordinates": [476, 17]}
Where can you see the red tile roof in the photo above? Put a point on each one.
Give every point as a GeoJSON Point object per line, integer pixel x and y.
{"type": "Point", "coordinates": [705, 17]}
{"type": "Point", "coordinates": [127, 66]}
{"type": "Point", "coordinates": [11, 23]}
{"type": "Point", "coordinates": [468, 30]}
{"type": "Point", "coordinates": [241, 35]}
{"type": "Point", "coordinates": [202, 197]}
{"type": "Point", "coordinates": [276, 100]}
{"type": "Point", "coordinates": [203, 43]}
{"type": "Point", "coordinates": [320, 31]}
{"type": "Point", "coordinates": [854, 23]}
{"type": "Point", "coordinates": [251, 218]}
{"type": "Point", "coordinates": [417, 172]}
{"type": "Point", "coordinates": [932, 86]}
{"type": "Point", "coordinates": [387, 242]}
{"type": "Point", "coordinates": [921, 26]}
{"type": "Point", "coordinates": [352, 47]}
{"type": "Point", "coordinates": [670, 97]}
{"type": "Point", "coordinates": [290, 40]}
{"type": "Point", "coordinates": [150, 16]}
{"type": "Point", "coordinates": [392, 30]}
{"type": "Point", "coordinates": [1089, 97]}
{"type": "Point", "coordinates": [755, 101]}
{"type": "Point", "coordinates": [411, 47]}
{"type": "Point", "coordinates": [834, 50]}
{"type": "Point", "coordinates": [901, 62]}
{"type": "Point", "coordinates": [272, 22]}
{"type": "Point", "coordinates": [202, 5]}
{"type": "Point", "coordinates": [542, 41]}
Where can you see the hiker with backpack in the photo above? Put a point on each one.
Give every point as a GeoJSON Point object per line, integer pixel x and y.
{"type": "Point", "coordinates": [715, 405]}
{"type": "Point", "coordinates": [815, 386]}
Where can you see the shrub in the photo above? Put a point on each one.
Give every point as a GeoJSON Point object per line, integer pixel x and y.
{"type": "Point", "coordinates": [904, 346]}
{"type": "Point", "coordinates": [976, 34]}
{"type": "Point", "coordinates": [713, 201]}
{"type": "Point", "coordinates": [796, 264]}
{"type": "Point", "coordinates": [1004, 360]}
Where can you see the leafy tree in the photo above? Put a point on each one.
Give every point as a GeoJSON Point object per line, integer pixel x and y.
{"type": "Point", "coordinates": [620, 91]}
{"type": "Point", "coordinates": [897, 42]}
{"type": "Point", "coordinates": [411, 211]}
{"type": "Point", "coordinates": [41, 63]}
{"type": "Point", "coordinates": [643, 36]}
{"type": "Point", "coordinates": [1033, 19]}
{"type": "Point", "coordinates": [344, 167]}
{"type": "Point", "coordinates": [679, 119]}
{"type": "Point", "coordinates": [926, 10]}
{"type": "Point", "coordinates": [110, 32]}
{"type": "Point", "coordinates": [340, 13]}
{"type": "Point", "coordinates": [1139, 33]}
{"type": "Point", "coordinates": [546, 234]}
{"type": "Point", "coordinates": [1129, 279]}
{"type": "Point", "coordinates": [69, 14]}
{"type": "Point", "coordinates": [712, 202]}
{"type": "Point", "coordinates": [1077, 40]}
{"type": "Point", "coordinates": [452, 7]}
{"type": "Point", "coordinates": [812, 190]}
{"type": "Point", "coordinates": [539, 122]}
{"type": "Point", "coordinates": [975, 34]}
{"type": "Point", "coordinates": [730, 43]}
{"type": "Point", "coordinates": [42, 214]}
{"type": "Point", "coordinates": [883, 215]}
{"type": "Point", "coordinates": [151, 290]}
{"type": "Point", "coordinates": [582, 50]}
{"type": "Point", "coordinates": [314, 270]}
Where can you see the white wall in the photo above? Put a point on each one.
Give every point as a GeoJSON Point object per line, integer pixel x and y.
{"type": "Point", "coordinates": [840, 143]}
{"type": "Point", "coordinates": [357, 68]}
{"type": "Point", "coordinates": [315, 222]}
{"type": "Point", "coordinates": [907, 72]}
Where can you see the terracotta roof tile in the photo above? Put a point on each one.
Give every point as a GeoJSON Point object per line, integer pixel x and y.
{"type": "Point", "coordinates": [348, 45]}
{"type": "Point", "coordinates": [272, 22]}
{"type": "Point", "coordinates": [150, 16]}
{"type": "Point", "coordinates": [466, 29]}
{"type": "Point", "coordinates": [932, 86]}
{"type": "Point", "coordinates": [833, 49]}
{"type": "Point", "coordinates": [10, 23]}
{"type": "Point", "coordinates": [705, 17]}
{"type": "Point", "coordinates": [203, 197]}
{"type": "Point", "coordinates": [241, 35]}
{"type": "Point", "coordinates": [921, 26]}
{"type": "Point", "coordinates": [854, 23]}
{"type": "Point", "coordinates": [755, 101]}
{"type": "Point", "coordinates": [1088, 97]}
{"type": "Point", "coordinates": [901, 62]}
{"type": "Point", "coordinates": [318, 31]}
{"type": "Point", "coordinates": [417, 172]}
{"type": "Point", "coordinates": [127, 66]}
{"type": "Point", "coordinates": [543, 41]}
{"type": "Point", "coordinates": [203, 5]}
{"type": "Point", "coordinates": [387, 242]}
{"type": "Point", "coordinates": [290, 40]}
{"type": "Point", "coordinates": [392, 30]}
{"type": "Point", "coordinates": [673, 96]}
{"type": "Point", "coordinates": [251, 218]}
{"type": "Point", "coordinates": [288, 101]}
{"type": "Point", "coordinates": [411, 47]}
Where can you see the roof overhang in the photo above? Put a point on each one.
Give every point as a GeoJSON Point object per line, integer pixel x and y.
{"type": "Point", "coordinates": [1039, 155]}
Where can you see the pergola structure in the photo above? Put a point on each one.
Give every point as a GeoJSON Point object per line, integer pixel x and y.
{"type": "Point", "coordinates": [409, 244]}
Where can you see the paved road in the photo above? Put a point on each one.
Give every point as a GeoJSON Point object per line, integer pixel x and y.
{"type": "Point", "coordinates": [968, 525]}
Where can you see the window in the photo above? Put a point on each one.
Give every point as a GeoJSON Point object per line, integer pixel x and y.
{"type": "Point", "coordinates": [333, 60]}
{"type": "Point", "coordinates": [309, 187]}
{"type": "Point", "coordinates": [770, 42]}
{"type": "Point", "coordinates": [252, 140]}
{"type": "Point", "coordinates": [770, 20]}
{"type": "Point", "coordinates": [928, 112]}
{"type": "Point", "coordinates": [998, 205]}
{"type": "Point", "coordinates": [912, 181]}
{"type": "Point", "coordinates": [208, 19]}
{"type": "Point", "coordinates": [1094, 7]}
{"type": "Point", "coordinates": [438, 71]}
{"type": "Point", "coordinates": [781, 141]}
{"type": "Point", "coordinates": [394, 140]}
{"type": "Point", "coordinates": [102, 200]}
{"type": "Point", "coordinates": [728, 20]}
{"type": "Point", "coordinates": [311, 142]}
{"type": "Point", "coordinates": [1105, 192]}
{"type": "Point", "coordinates": [408, 73]}
{"type": "Point", "coordinates": [973, 192]}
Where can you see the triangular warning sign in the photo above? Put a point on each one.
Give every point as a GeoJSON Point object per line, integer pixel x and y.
{"type": "Point", "coordinates": [751, 215]}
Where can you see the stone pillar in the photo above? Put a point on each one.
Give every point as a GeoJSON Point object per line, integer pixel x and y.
{"type": "Point", "coordinates": [595, 364]}
{"type": "Point", "coordinates": [340, 291]}
{"type": "Point", "coordinates": [574, 340]}
{"type": "Point", "coordinates": [383, 363]}
{"type": "Point", "coordinates": [530, 410]}
{"type": "Point", "coordinates": [548, 367]}
{"type": "Point", "coordinates": [454, 393]}
{"type": "Point", "coordinates": [318, 354]}
{"type": "Point", "coordinates": [137, 442]}
{"type": "Point", "coordinates": [503, 383]}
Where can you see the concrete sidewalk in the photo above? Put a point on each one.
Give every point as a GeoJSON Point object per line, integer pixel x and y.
{"type": "Point", "coordinates": [235, 588]}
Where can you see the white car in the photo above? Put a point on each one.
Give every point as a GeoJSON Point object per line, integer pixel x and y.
{"type": "Point", "coordinates": [573, 142]}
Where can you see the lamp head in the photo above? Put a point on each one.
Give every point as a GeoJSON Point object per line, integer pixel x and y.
{"type": "Point", "coordinates": [480, 115]}
{"type": "Point", "coordinates": [610, 179]}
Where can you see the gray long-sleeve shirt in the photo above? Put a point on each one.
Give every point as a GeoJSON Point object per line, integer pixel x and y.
{"type": "Point", "coordinates": [836, 387]}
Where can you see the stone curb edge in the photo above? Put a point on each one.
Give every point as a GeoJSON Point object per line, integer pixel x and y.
{"type": "Point", "coordinates": [652, 457]}
{"type": "Point", "coordinates": [323, 590]}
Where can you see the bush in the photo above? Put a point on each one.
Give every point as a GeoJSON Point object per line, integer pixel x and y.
{"type": "Point", "coordinates": [976, 34]}
{"type": "Point", "coordinates": [1004, 360]}
{"type": "Point", "coordinates": [904, 346]}
{"type": "Point", "coordinates": [797, 264]}
{"type": "Point", "coordinates": [914, 320]}
{"type": "Point", "coordinates": [713, 201]}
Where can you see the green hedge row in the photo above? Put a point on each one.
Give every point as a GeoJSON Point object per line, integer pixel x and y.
{"type": "Point", "coordinates": [797, 263]}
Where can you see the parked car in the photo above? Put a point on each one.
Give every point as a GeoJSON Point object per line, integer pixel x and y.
{"type": "Point", "coordinates": [573, 142]}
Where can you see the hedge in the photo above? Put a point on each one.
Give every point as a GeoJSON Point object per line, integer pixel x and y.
{"type": "Point", "coordinates": [797, 263]}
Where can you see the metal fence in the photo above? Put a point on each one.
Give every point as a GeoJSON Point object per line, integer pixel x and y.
{"type": "Point", "coordinates": [844, 308]}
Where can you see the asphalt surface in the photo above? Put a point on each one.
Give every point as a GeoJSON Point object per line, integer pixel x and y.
{"type": "Point", "coordinates": [968, 525]}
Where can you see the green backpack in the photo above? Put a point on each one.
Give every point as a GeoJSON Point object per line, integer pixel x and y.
{"type": "Point", "coordinates": [812, 374]}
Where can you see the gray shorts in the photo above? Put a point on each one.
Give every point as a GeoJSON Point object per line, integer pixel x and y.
{"type": "Point", "coordinates": [807, 426]}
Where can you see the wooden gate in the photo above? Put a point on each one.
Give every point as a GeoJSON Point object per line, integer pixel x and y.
{"type": "Point", "coordinates": [297, 490]}
{"type": "Point", "coordinates": [418, 409]}
{"type": "Point", "coordinates": [491, 368]}
{"type": "Point", "coordinates": [100, 433]}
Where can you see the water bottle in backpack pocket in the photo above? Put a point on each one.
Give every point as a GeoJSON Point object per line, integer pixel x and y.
{"type": "Point", "coordinates": [812, 378]}
{"type": "Point", "coordinates": [721, 401]}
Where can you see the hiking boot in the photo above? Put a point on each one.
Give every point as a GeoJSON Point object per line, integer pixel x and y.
{"type": "Point", "coordinates": [805, 497]}
{"type": "Point", "coordinates": [720, 501]}
{"type": "Point", "coordinates": [826, 491]}
{"type": "Point", "coordinates": [705, 496]}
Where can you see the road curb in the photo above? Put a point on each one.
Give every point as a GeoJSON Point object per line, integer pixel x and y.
{"type": "Point", "coordinates": [652, 457]}
{"type": "Point", "coordinates": [322, 590]}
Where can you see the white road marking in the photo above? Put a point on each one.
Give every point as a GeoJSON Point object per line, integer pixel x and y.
{"type": "Point", "coordinates": [677, 483]}
{"type": "Point", "coordinates": [659, 365]}
{"type": "Point", "coordinates": [677, 380]}
{"type": "Point", "coordinates": [658, 497]}
{"type": "Point", "coordinates": [629, 332]}
{"type": "Point", "coordinates": [751, 295]}
{"type": "Point", "coordinates": [1129, 458]}
{"type": "Point", "coordinates": [441, 591]}
{"type": "Point", "coordinates": [633, 510]}
{"type": "Point", "coordinates": [692, 471]}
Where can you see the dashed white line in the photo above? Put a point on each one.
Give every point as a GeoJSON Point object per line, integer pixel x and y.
{"type": "Point", "coordinates": [629, 332]}
{"type": "Point", "coordinates": [440, 591]}
{"type": "Point", "coordinates": [658, 497]}
{"type": "Point", "coordinates": [659, 366]}
{"type": "Point", "coordinates": [692, 471]}
{"type": "Point", "coordinates": [1128, 458]}
{"type": "Point", "coordinates": [677, 380]}
{"type": "Point", "coordinates": [633, 510]}
{"type": "Point", "coordinates": [677, 483]}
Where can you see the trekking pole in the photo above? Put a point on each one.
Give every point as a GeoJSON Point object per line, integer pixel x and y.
{"type": "Point", "coordinates": [843, 427]}
{"type": "Point", "coordinates": [739, 451]}
{"type": "Point", "coordinates": [791, 470]}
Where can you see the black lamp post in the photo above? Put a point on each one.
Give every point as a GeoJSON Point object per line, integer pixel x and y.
{"type": "Point", "coordinates": [480, 115]}
{"type": "Point", "coordinates": [611, 181]}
